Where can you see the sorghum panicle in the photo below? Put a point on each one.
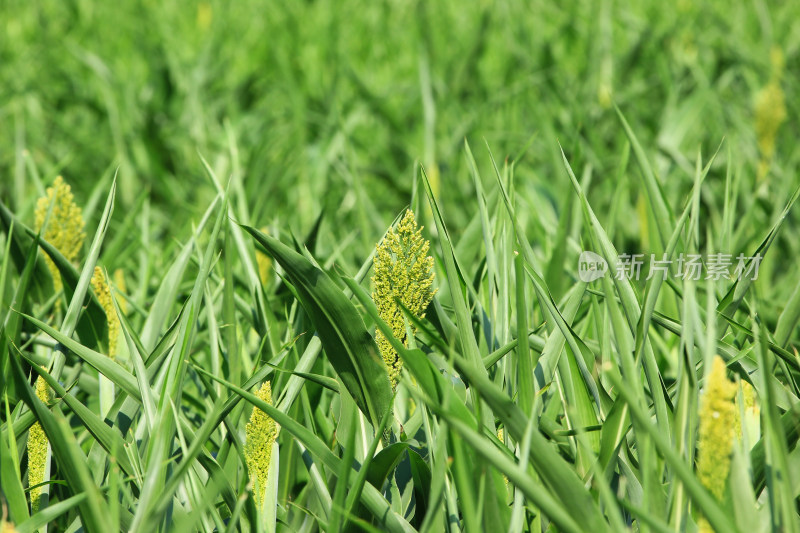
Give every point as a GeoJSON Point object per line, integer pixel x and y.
{"type": "Point", "coordinates": [716, 432]}
{"type": "Point", "coordinates": [261, 433]}
{"type": "Point", "coordinates": [65, 227]}
{"type": "Point", "coordinates": [404, 272]}
{"type": "Point", "coordinates": [103, 293]}
{"type": "Point", "coordinates": [37, 450]}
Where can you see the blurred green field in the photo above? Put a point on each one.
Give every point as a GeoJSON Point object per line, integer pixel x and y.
{"type": "Point", "coordinates": [317, 105]}
{"type": "Point", "coordinates": [319, 123]}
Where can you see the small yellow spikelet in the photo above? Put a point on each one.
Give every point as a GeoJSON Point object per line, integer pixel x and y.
{"type": "Point", "coordinates": [261, 433]}
{"type": "Point", "coordinates": [122, 287]}
{"type": "Point", "coordinates": [500, 435]}
{"type": "Point", "coordinates": [748, 415]}
{"type": "Point", "coordinates": [7, 527]}
{"type": "Point", "coordinates": [103, 293]}
{"type": "Point", "coordinates": [717, 418]}
{"type": "Point", "coordinates": [64, 228]}
{"type": "Point", "coordinates": [37, 449]}
{"type": "Point", "coordinates": [264, 263]}
{"type": "Point", "coordinates": [749, 395]}
{"type": "Point", "coordinates": [404, 272]}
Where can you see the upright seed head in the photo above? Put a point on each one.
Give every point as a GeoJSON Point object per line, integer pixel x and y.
{"type": "Point", "coordinates": [717, 419]}
{"type": "Point", "coordinates": [37, 450]}
{"type": "Point", "coordinates": [261, 433]}
{"type": "Point", "coordinates": [404, 272]}
{"type": "Point", "coordinates": [103, 293]}
{"type": "Point", "coordinates": [64, 228]}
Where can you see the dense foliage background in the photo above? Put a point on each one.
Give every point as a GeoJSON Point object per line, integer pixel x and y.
{"type": "Point", "coordinates": [312, 121]}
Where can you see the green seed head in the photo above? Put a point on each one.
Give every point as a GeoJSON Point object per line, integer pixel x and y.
{"type": "Point", "coordinates": [404, 272]}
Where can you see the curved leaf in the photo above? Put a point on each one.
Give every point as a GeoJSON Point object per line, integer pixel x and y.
{"type": "Point", "coordinates": [350, 348]}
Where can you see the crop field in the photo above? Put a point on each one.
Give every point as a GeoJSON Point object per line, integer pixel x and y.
{"type": "Point", "coordinates": [399, 266]}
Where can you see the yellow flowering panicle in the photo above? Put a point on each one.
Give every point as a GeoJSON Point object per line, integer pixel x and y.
{"type": "Point", "coordinates": [716, 432]}
{"type": "Point", "coordinates": [103, 293]}
{"type": "Point", "coordinates": [37, 449]}
{"type": "Point", "coordinates": [770, 110]}
{"type": "Point", "coordinates": [261, 433]}
{"type": "Point", "coordinates": [64, 228]}
{"type": "Point", "coordinates": [404, 272]}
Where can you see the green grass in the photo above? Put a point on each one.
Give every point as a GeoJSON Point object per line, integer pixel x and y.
{"type": "Point", "coordinates": [198, 136]}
